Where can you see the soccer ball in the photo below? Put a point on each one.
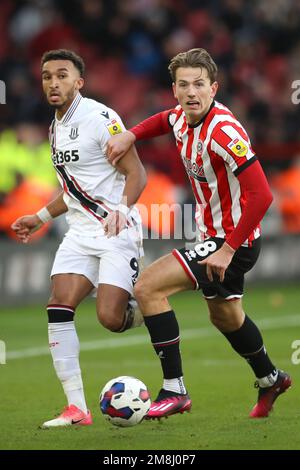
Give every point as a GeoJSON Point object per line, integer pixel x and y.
{"type": "Point", "coordinates": [125, 401]}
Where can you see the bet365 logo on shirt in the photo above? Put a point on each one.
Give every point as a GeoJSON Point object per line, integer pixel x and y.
{"type": "Point", "coordinates": [67, 156]}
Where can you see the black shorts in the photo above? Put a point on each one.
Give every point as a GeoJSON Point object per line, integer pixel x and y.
{"type": "Point", "coordinates": [233, 285]}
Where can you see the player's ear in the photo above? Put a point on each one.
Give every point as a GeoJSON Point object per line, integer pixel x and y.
{"type": "Point", "coordinates": [80, 83]}
{"type": "Point", "coordinates": [174, 90]}
{"type": "Point", "coordinates": [214, 88]}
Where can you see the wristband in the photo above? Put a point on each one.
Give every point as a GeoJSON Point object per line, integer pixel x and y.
{"type": "Point", "coordinates": [44, 215]}
{"type": "Point", "coordinates": [124, 209]}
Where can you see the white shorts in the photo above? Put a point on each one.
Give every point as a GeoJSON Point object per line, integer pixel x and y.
{"type": "Point", "coordinates": [102, 260]}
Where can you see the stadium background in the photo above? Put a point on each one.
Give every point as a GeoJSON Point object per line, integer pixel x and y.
{"type": "Point", "coordinates": [126, 46]}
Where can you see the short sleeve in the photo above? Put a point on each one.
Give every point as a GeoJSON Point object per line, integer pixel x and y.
{"type": "Point", "coordinates": [105, 125]}
{"type": "Point", "coordinates": [232, 143]}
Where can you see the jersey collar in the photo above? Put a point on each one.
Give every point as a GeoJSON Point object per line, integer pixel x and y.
{"type": "Point", "coordinates": [74, 105]}
{"type": "Point", "coordinates": [204, 117]}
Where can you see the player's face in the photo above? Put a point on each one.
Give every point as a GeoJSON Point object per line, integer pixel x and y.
{"type": "Point", "coordinates": [61, 82]}
{"type": "Point", "coordinates": [194, 92]}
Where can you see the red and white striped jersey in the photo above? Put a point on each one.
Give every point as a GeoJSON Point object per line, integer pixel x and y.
{"type": "Point", "coordinates": [214, 152]}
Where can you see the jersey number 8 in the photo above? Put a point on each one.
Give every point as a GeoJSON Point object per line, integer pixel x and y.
{"type": "Point", "coordinates": [203, 249]}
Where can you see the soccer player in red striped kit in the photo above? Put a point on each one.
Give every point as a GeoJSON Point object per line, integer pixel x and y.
{"type": "Point", "coordinates": [230, 185]}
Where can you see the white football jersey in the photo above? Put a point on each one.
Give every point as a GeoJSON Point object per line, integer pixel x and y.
{"type": "Point", "coordinates": [92, 186]}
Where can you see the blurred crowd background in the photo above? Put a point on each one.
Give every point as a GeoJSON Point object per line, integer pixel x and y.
{"type": "Point", "coordinates": [127, 45]}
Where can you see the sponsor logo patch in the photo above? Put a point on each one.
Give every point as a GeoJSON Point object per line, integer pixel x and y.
{"type": "Point", "coordinates": [238, 147]}
{"type": "Point", "coordinates": [114, 127]}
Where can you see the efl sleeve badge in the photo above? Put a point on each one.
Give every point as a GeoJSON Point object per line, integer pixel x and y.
{"type": "Point", "coordinates": [238, 147]}
{"type": "Point", "coordinates": [114, 127]}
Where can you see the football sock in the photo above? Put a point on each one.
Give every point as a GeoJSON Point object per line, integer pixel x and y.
{"type": "Point", "coordinates": [175, 385]}
{"type": "Point", "coordinates": [128, 320]}
{"type": "Point", "coordinates": [269, 380]}
{"type": "Point", "coordinates": [64, 347]}
{"type": "Point", "coordinates": [247, 341]}
{"type": "Point", "coordinates": [133, 317]}
{"type": "Point", "coordinates": [164, 333]}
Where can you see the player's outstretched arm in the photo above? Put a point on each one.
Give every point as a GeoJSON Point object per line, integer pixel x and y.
{"type": "Point", "coordinates": [26, 225]}
{"type": "Point", "coordinates": [118, 145]}
{"type": "Point", "coordinates": [154, 126]}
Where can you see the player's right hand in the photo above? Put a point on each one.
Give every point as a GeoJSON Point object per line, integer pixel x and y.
{"type": "Point", "coordinates": [25, 226]}
{"type": "Point", "coordinates": [118, 145]}
{"type": "Point", "coordinates": [114, 223]}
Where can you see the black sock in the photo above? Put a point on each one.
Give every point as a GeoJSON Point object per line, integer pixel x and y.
{"type": "Point", "coordinates": [164, 333]}
{"type": "Point", "coordinates": [247, 341]}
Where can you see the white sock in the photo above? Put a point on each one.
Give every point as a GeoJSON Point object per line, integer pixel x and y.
{"type": "Point", "coordinates": [133, 317]}
{"type": "Point", "coordinates": [268, 380]}
{"type": "Point", "coordinates": [175, 385]}
{"type": "Point", "coordinates": [64, 347]}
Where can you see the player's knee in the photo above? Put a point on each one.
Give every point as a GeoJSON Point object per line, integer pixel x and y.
{"type": "Point", "coordinates": [218, 320]}
{"type": "Point", "coordinates": [57, 299]}
{"type": "Point", "coordinates": [224, 321]}
{"type": "Point", "coordinates": [110, 320]}
{"type": "Point", "coordinates": [142, 290]}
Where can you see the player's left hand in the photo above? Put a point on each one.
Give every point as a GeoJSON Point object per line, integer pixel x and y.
{"type": "Point", "coordinates": [118, 145]}
{"type": "Point", "coordinates": [114, 223]}
{"type": "Point", "coordinates": [218, 262]}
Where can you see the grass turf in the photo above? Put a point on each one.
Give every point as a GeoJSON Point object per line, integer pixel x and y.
{"type": "Point", "coordinates": [219, 382]}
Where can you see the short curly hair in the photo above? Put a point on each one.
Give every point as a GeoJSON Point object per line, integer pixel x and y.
{"type": "Point", "coordinates": [64, 54]}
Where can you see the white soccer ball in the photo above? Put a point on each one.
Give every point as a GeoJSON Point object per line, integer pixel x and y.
{"type": "Point", "coordinates": [125, 401]}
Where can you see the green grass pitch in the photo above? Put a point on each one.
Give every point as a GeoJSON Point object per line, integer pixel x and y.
{"type": "Point", "coordinates": [219, 382]}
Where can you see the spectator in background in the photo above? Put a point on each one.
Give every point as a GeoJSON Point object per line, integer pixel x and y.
{"type": "Point", "coordinates": [155, 203]}
{"type": "Point", "coordinates": [287, 189]}
{"type": "Point", "coordinates": [260, 40]}
{"type": "Point", "coordinates": [28, 180]}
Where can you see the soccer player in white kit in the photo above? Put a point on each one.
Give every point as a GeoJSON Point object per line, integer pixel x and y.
{"type": "Point", "coordinates": [104, 242]}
